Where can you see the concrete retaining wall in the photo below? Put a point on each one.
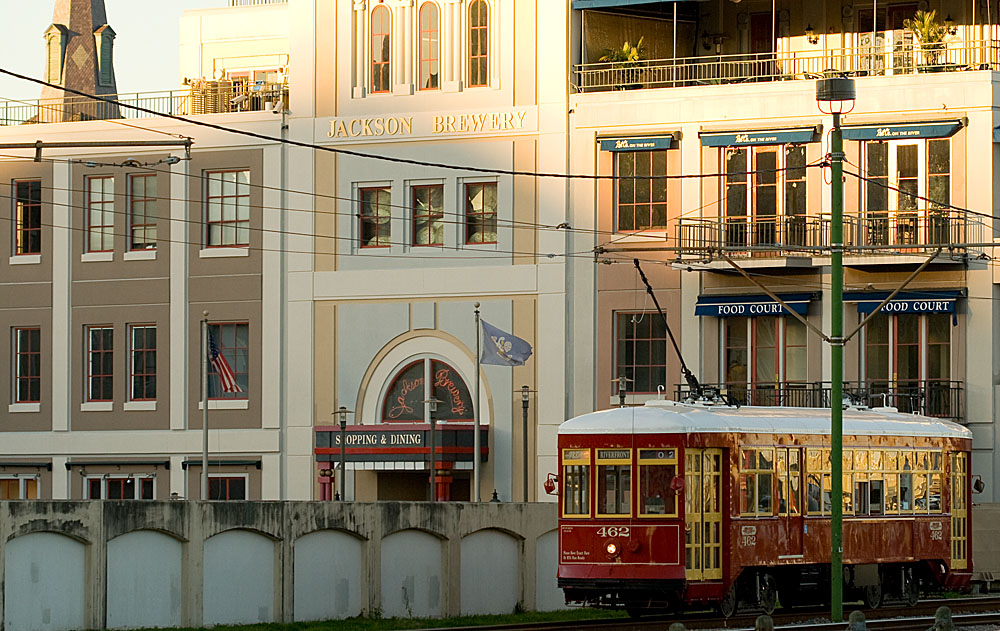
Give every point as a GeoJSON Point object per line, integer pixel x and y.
{"type": "Point", "coordinates": [72, 565]}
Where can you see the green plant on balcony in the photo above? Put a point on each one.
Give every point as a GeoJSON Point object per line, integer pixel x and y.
{"type": "Point", "coordinates": [930, 34]}
{"type": "Point", "coordinates": [625, 61]}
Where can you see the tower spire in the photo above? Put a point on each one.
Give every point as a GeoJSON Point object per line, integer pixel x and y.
{"type": "Point", "coordinates": [79, 54]}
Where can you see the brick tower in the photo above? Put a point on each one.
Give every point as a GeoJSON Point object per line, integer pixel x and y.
{"type": "Point", "coordinates": [79, 54]}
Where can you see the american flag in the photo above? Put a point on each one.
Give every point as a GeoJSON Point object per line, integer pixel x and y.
{"type": "Point", "coordinates": [221, 366]}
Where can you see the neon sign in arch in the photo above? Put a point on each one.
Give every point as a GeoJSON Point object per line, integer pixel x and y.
{"type": "Point", "coordinates": [404, 400]}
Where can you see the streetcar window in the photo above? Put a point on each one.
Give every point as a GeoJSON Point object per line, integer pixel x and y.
{"type": "Point", "coordinates": [891, 493]}
{"type": "Point", "coordinates": [819, 483]}
{"type": "Point", "coordinates": [614, 489]}
{"type": "Point", "coordinates": [576, 490]}
{"type": "Point", "coordinates": [657, 472]}
{"type": "Point", "coordinates": [875, 497]}
{"type": "Point", "coordinates": [861, 497]}
{"type": "Point", "coordinates": [789, 481]}
{"type": "Point", "coordinates": [756, 482]}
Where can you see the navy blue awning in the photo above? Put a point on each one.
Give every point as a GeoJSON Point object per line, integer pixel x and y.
{"type": "Point", "coordinates": [750, 138]}
{"type": "Point", "coordinates": [645, 143]}
{"type": "Point", "coordinates": [935, 129]}
{"type": "Point", "coordinates": [600, 4]}
{"type": "Point", "coordinates": [930, 301]}
{"type": "Point", "coordinates": [752, 306]}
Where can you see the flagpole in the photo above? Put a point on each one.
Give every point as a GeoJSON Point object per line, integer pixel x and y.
{"type": "Point", "coordinates": [475, 413]}
{"type": "Point", "coordinates": [204, 406]}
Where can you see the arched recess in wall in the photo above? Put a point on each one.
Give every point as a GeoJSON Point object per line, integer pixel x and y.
{"type": "Point", "coordinates": [411, 575]}
{"type": "Point", "coordinates": [144, 580]}
{"type": "Point", "coordinates": [238, 578]}
{"type": "Point", "coordinates": [44, 582]}
{"type": "Point", "coordinates": [548, 596]}
{"type": "Point", "coordinates": [327, 576]}
{"type": "Point", "coordinates": [490, 563]}
{"type": "Point", "coordinates": [379, 379]}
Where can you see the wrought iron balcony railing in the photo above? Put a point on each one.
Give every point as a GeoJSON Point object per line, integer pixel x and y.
{"type": "Point", "coordinates": [203, 97]}
{"type": "Point", "coordinates": [941, 399]}
{"type": "Point", "coordinates": [874, 232]}
{"type": "Point", "coordinates": [891, 56]}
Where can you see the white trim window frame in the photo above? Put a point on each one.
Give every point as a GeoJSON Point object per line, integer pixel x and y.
{"type": "Point", "coordinates": [25, 484]}
{"type": "Point", "coordinates": [765, 198]}
{"type": "Point", "coordinates": [141, 369]}
{"type": "Point", "coordinates": [230, 476]}
{"type": "Point", "coordinates": [143, 486]}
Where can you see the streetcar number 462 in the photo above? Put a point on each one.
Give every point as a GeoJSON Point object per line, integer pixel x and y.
{"type": "Point", "coordinates": [613, 531]}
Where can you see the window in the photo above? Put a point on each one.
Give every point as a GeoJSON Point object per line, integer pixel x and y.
{"type": "Point", "coordinates": [658, 481]}
{"type": "Point", "coordinates": [100, 214]}
{"type": "Point", "coordinates": [227, 487]}
{"type": "Point", "coordinates": [641, 350]}
{"type": "Point", "coordinates": [479, 43]}
{"type": "Point", "coordinates": [819, 482]}
{"type": "Point", "coordinates": [105, 56]}
{"type": "Point", "coordinates": [142, 212]}
{"type": "Point", "coordinates": [756, 481]}
{"type": "Point", "coordinates": [909, 357]}
{"type": "Point", "coordinates": [228, 209]}
{"type": "Point", "coordinates": [381, 38]}
{"type": "Point", "coordinates": [764, 359]}
{"type": "Point", "coordinates": [27, 365]}
{"type": "Point", "coordinates": [767, 206]}
{"type": "Point", "coordinates": [789, 465]}
{"type": "Point", "coordinates": [376, 217]}
{"type": "Point", "coordinates": [641, 190]}
{"type": "Point", "coordinates": [901, 173]}
{"type": "Point", "coordinates": [430, 47]}
{"type": "Point", "coordinates": [142, 366]}
{"type": "Point", "coordinates": [121, 487]}
{"type": "Point", "coordinates": [55, 45]}
{"type": "Point", "coordinates": [481, 213]}
{"type": "Point", "coordinates": [428, 215]}
{"type": "Point", "coordinates": [576, 482]}
{"type": "Point", "coordinates": [100, 363]}
{"type": "Point", "coordinates": [19, 487]}
{"type": "Point", "coordinates": [28, 217]}
{"type": "Point", "coordinates": [404, 399]}
{"type": "Point", "coordinates": [614, 482]}
{"type": "Point", "coordinates": [233, 339]}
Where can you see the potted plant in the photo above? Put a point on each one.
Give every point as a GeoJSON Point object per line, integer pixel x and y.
{"type": "Point", "coordinates": [625, 61]}
{"type": "Point", "coordinates": [930, 34]}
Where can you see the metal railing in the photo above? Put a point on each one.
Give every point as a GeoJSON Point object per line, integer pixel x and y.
{"type": "Point", "coordinates": [941, 399]}
{"type": "Point", "coordinates": [203, 97]}
{"type": "Point", "coordinates": [904, 56]}
{"type": "Point", "coordinates": [878, 231]}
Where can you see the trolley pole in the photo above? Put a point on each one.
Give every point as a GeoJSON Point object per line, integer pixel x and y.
{"type": "Point", "coordinates": [835, 92]}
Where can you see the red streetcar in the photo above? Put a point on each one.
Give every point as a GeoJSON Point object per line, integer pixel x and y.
{"type": "Point", "coordinates": [672, 504]}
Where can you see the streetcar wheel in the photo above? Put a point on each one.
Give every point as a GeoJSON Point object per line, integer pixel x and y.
{"type": "Point", "coordinates": [911, 588]}
{"type": "Point", "coordinates": [727, 606]}
{"type": "Point", "coordinates": [873, 596]}
{"type": "Point", "coordinates": [767, 596]}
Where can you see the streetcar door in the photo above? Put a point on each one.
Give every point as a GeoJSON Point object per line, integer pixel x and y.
{"type": "Point", "coordinates": [791, 524]}
{"type": "Point", "coordinates": [959, 511]}
{"type": "Point", "coordinates": [703, 514]}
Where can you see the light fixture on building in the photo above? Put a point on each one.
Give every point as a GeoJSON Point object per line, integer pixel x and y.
{"type": "Point", "coordinates": [811, 35]}
{"type": "Point", "coordinates": [949, 25]}
{"type": "Point", "coordinates": [342, 413]}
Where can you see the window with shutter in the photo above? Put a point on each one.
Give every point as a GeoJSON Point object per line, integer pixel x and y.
{"type": "Point", "coordinates": [53, 69]}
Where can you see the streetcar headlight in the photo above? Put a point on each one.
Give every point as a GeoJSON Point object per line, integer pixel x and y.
{"type": "Point", "coordinates": [612, 548]}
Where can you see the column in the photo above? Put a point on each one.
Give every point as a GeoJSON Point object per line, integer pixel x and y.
{"type": "Point", "coordinates": [180, 187]}
{"type": "Point", "coordinates": [404, 47]}
{"type": "Point", "coordinates": [360, 49]}
{"type": "Point", "coordinates": [62, 287]}
{"type": "Point", "coordinates": [452, 36]}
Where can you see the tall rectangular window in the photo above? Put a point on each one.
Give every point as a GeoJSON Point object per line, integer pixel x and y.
{"type": "Point", "coordinates": [764, 360]}
{"type": "Point", "coordinates": [100, 363]}
{"type": "Point", "coordinates": [28, 217]}
{"type": "Point", "coordinates": [227, 488]}
{"type": "Point", "coordinates": [481, 213]}
{"type": "Point", "coordinates": [430, 47]}
{"type": "Point", "coordinates": [376, 217]}
{"type": "Point", "coordinates": [641, 190]}
{"type": "Point", "coordinates": [641, 351]}
{"type": "Point", "coordinates": [479, 43]}
{"type": "Point", "coordinates": [142, 212]}
{"type": "Point", "coordinates": [142, 364]}
{"type": "Point", "coordinates": [228, 209]}
{"type": "Point", "coordinates": [233, 339]}
{"type": "Point", "coordinates": [428, 215]}
{"type": "Point", "coordinates": [768, 205]}
{"type": "Point", "coordinates": [100, 214]}
{"type": "Point", "coordinates": [908, 357]}
{"type": "Point", "coordinates": [27, 365]}
{"type": "Point", "coordinates": [381, 34]}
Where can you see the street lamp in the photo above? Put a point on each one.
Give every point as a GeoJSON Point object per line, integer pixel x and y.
{"type": "Point", "coordinates": [432, 407]}
{"type": "Point", "coordinates": [342, 412]}
{"type": "Point", "coordinates": [525, 392]}
{"type": "Point", "coordinates": [834, 94]}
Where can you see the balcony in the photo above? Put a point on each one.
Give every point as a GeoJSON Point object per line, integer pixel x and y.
{"type": "Point", "coordinates": [899, 57]}
{"type": "Point", "coordinates": [940, 399]}
{"type": "Point", "coordinates": [884, 232]}
{"type": "Point", "coordinates": [202, 97]}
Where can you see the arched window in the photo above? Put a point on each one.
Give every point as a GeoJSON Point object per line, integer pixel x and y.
{"type": "Point", "coordinates": [55, 44]}
{"type": "Point", "coordinates": [430, 46]}
{"type": "Point", "coordinates": [381, 38]}
{"type": "Point", "coordinates": [404, 400]}
{"type": "Point", "coordinates": [105, 40]}
{"type": "Point", "coordinates": [479, 43]}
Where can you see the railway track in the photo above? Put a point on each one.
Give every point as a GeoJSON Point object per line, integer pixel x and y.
{"type": "Point", "coordinates": [975, 611]}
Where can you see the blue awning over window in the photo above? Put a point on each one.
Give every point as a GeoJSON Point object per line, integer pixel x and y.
{"type": "Point", "coordinates": [935, 129]}
{"type": "Point", "coordinates": [643, 143]}
{"type": "Point", "coordinates": [600, 4]}
{"type": "Point", "coordinates": [752, 306]}
{"type": "Point", "coordinates": [930, 301]}
{"type": "Point", "coordinates": [751, 138]}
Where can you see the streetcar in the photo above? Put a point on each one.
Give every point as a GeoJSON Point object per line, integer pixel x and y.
{"type": "Point", "coordinates": [674, 504]}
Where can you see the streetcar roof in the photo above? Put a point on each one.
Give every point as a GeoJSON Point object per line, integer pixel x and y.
{"type": "Point", "coordinates": [670, 417]}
